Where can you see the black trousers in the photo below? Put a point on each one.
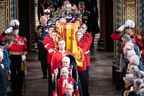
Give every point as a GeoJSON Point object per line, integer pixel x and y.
{"type": "Point", "coordinates": [17, 75]}
{"type": "Point", "coordinates": [43, 60]}
{"type": "Point", "coordinates": [50, 83]}
{"type": "Point", "coordinates": [84, 78]}
{"type": "Point", "coordinates": [3, 82]}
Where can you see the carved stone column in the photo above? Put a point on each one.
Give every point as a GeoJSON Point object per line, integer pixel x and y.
{"type": "Point", "coordinates": [140, 10]}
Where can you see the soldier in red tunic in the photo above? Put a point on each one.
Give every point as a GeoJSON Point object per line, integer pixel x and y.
{"type": "Point", "coordinates": [58, 55]}
{"type": "Point", "coordinates": [17, 49]}
{"type": "Point", "coordinates": [84, 42]}
{"type": "Point", "coordinates": [51, 47]}
{"type": "Point", "coordinates": [49, 44]}
{"type": "Point", "coordinates": [56, 61]}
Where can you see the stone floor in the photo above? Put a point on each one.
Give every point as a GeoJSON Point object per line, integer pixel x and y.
{"type": "Point", "coordinates": [34, 84]}
{"type": "Point", "coordinates": [100, 77]}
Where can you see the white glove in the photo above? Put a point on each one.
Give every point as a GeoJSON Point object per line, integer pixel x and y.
{"type": "Point", "coordinates": [46, 45]}
{"type": "Point", "coordinates": [65, 82]}
{"type": "Point", "coordinates": [9, 30]}
{"type": "Point", "coordinates": [51, 50]}
{"type": "Point", "coordinates": [87, 52]}
{"type": "Point", "coordinates": [52, 76]}
{"type": "Point", "coordinates": [23, 57]}
{"type": "Point", "coordinates": [2, 66]}
{"type": "Point", "coordinates": [56, 72]}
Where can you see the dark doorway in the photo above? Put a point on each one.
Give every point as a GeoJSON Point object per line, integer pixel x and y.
{"type": "Point", "coordinates": [23, 15]}
{"type": "Point", "coordinates": [106, 19]}
{"type": "Point", "coordinates": [26, 18]}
